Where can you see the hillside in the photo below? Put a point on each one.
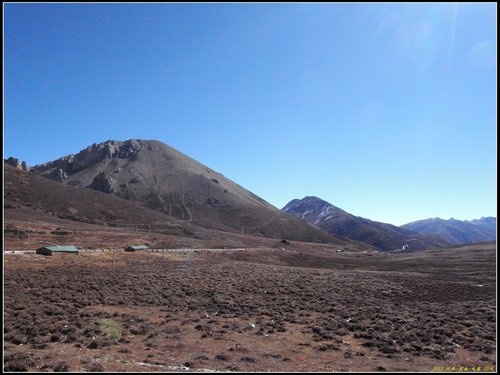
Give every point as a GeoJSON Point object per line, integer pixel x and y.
{"type": "Point", "coordinates": [29, 197]}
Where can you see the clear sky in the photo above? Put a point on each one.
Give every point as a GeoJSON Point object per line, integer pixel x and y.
{"type": "Point", "coordinates": [385, 110]}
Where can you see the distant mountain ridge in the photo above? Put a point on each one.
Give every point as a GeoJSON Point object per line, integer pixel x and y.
{"type": "Point", "coordinates": [337, 221]}
{"type": "Point", "coordinates": [457, 232]}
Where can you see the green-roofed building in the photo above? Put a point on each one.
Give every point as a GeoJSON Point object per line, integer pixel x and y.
{"type": "Point", "coordinates": [49, 250]}
{"type": "Point", "coordinates": [136, 247]}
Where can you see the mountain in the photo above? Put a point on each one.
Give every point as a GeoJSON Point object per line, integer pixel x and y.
{"type": "Point", "coordinates": [163, 179]}
{"type": "Point", "coordinates": [337, 221]}
{"type": "Point", "coordinates": [456, 231]}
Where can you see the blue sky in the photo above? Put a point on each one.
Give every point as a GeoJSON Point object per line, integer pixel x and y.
{"type": "Point", "coordinates": [385, 110]}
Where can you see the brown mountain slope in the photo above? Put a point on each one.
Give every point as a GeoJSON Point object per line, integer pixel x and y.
{"type": "Point", "coordinates": [162, 178]}
{"type": "Point", "coordinates": [28, 196]}
{"type": "Point", "coordinates": [38, 212]}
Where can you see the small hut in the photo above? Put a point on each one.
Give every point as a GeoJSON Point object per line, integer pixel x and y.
{"type": "Point", "coordinates": [136, 247]}
{"type": "Point", "coordinates": [49, 250]}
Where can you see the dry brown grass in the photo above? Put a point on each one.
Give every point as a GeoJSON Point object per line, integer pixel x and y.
{"type": "Point", "coordinates": [254, 310]}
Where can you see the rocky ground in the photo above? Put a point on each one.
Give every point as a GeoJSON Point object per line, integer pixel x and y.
{"type": "Point", "coordinates": [253, 310]}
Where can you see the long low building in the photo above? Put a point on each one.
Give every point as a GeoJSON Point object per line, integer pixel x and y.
{"type": "Point", "coordinates": [49, 250]}
{"type": "Point", "coordinates": [136, 247]}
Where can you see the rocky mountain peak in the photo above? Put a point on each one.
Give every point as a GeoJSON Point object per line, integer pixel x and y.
{"type": "Point", "coordinates": [60, 169]}
{"type": "Point", "coordinates": [313, 210]}
{"type": "Point", "coordinates": [311, 206]}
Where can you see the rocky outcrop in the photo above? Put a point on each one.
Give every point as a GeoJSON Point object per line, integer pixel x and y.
{"type": "Point", "coordinates": [60, 169]}
{"type": "Point", "coordinates": [57, 174]}
{"type": "Point", "coordinates": [103, 183]}
{"type": "Point", "coordinates": [17, 163]}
